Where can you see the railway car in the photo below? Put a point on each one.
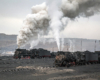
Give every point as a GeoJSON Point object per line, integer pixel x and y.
{"type": "Point", "coordinates": [98, 52]}
{"type": "Point", "coordinates": [33, 53]}
{"type": "Point", "coordinates": [76, 58]}
{"type": "Point", "coordinates": [42, 53]}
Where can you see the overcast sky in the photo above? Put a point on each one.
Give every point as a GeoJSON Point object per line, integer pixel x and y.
{"type": "Point", "coordinates": [13, 12]}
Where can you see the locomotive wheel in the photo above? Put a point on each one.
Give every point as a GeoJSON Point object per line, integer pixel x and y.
{"type": "Point", "coordinates": [64, 63]}
{"type": "Point", "coordinates": [68, 65]}
{"type": "Point", "coordinates": [87, 63]}
{"type": "Point", "coordinates": [84, 63]}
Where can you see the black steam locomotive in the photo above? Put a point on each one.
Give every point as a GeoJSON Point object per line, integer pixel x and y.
{"type": "Point", "coordinates": [33, 53]}
{"type": "Point", "coordinates": [76, 58]}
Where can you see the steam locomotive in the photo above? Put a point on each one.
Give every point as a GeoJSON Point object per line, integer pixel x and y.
{"type": "Point", "coordinates": [33, 53]}
{"type": "Point", "coordinates": [76, 58]}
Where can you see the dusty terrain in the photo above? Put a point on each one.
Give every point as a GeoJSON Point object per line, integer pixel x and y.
{"type": "Point", "coordinates": [43, 69]}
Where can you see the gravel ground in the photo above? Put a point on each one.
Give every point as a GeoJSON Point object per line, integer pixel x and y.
{"type": "Point", "coordinates": [42, 69]}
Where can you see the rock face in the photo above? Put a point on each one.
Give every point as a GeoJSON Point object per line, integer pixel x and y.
{"type": "Point", "coordinates": [7, 42]}
{"type": "Point", "coordinates": [7, 37]}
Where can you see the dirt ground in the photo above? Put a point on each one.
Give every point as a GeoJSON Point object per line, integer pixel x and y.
{"type": "Point", "coordinates": [42, 69]}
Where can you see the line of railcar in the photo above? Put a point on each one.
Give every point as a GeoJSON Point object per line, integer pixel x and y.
{"type": "Point", "coordinates": [77, 58]}
{"type": "Point", "coordinates": [61, 58]}
{"type": "Point", "coordinates": [33, 53]}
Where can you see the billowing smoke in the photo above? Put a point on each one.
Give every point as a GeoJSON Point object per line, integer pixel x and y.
{"type": "Point", "coordinates": [34, 42]}
{"type": "Point", "coordinates": [43, 20]}
{"type": "Point", "coordinates": [77, 8]}
{"type": "Point", "coordinates": [35, 24]}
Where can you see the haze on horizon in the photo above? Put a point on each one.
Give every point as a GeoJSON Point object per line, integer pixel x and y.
{"type": "Point", "coordinates": [13, 13]}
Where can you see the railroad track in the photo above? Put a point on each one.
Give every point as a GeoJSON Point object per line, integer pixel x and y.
{"type": "Point", "coordinates": [16, 70]}
{"type": "Point", "coordinates": [23, 61]}
{"type": "Point", "coordinates": [22, 69]}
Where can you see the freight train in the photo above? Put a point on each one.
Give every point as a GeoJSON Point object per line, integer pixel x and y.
{"type": "Point", "coordinates": [33, 53]}
{"type": "Point", "coordinates": [61, 58]}
{"type": "Point", "coordinates": [76, 58]}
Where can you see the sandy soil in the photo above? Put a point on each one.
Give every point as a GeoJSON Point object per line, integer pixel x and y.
{"type": "Point", "coordinates": [42, 69]}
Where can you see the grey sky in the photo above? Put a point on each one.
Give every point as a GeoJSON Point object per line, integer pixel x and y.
{"type": "Point", "coordinates": [84, 28]}
{"type": "Point", "coordinates": [12, 13]}
{"type": "Point", "coordinates": [17, 8]}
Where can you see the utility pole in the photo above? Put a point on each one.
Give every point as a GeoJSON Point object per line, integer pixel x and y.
{"type": "Point", "coordinates": [81, 44]}
{"type": "Point", "coordinates": [0, 52]}
{"type": "Point", "coordinates": [95, 46]}
{"type": "Point", "coordinates": [99, 41]}
{"type": "Point", "coordinates": [53, 49]}
{"type": "Point", "coordinates": [67, 46]}
{"type": "Point", "coordinates": [60, 44]}
{"type": "Point", "coordinates": [72, 46]}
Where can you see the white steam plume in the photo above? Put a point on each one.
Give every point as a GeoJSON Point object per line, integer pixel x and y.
{"type": "Point", "coordinates": [76, 8]}
{"type": "Point", "coordinates": [73, 41]}
{"type": "Point", "coordinates": [55, 23]}
{"type": "Point", "coordinates": [62, 44]}
{"type": "Point", "coordinates": [35, 42]}
{"type": "Point", "coordinates": [34, 24]}
{"type": "Point", "coordinates": [71, 48]}
{"type": "Point", "coordinates": [64, 21]}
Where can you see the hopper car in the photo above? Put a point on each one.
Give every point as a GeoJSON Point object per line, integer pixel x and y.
{"type": "Point", "coordinates": [76, 58]}
{"type": "Point", "coordinates": [33, 53]}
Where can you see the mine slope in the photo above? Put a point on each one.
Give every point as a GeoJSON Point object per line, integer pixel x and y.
{"type": "Point", "coordinates": [9, 43]}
